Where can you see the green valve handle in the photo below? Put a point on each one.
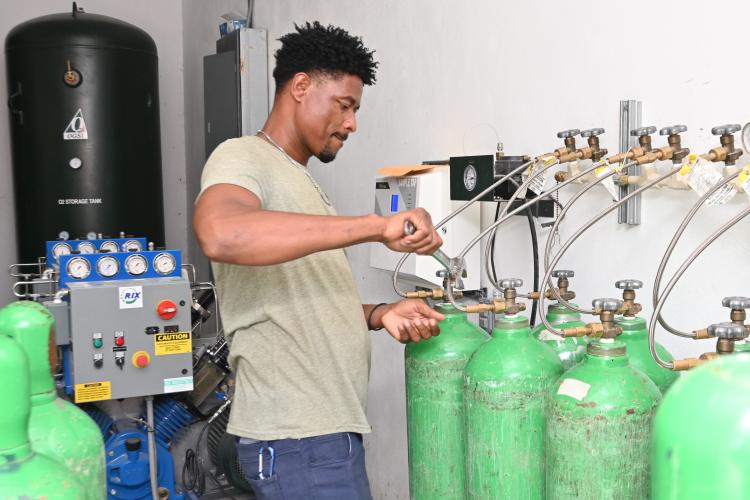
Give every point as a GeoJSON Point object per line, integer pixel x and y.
{"type": "Point", "coordinates": [729, 331]}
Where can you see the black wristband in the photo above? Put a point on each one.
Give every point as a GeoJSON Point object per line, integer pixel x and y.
{"type": "Point", "coordinates": [369, 317]}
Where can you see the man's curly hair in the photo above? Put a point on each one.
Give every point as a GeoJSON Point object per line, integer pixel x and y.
{"type": "Point", "coordinates": [324, 49]}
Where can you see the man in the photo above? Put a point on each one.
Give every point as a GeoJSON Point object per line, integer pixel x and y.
{"type": "Point", "coordinates": [300, 347]}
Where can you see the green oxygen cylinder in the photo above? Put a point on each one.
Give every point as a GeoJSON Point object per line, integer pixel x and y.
{"type": "Point", "coordinates": [434, 406]}
{"type": "Point", "coordinates": [742, 346]}
{"type": "Point", "coordinates": [599, 428]}
{"type": "Point", "coordinates": [57, 428]}
{"type": "Point", "coordinates": [25, 474]}
{"type": "Point", "coordinates": [505, 392]}
{"type": "Point", "coordinates": [635, 336]}
{"type": "Point", "coordinates": [701, 443]}
{"type": "Point", "coordinates": [570, 350]}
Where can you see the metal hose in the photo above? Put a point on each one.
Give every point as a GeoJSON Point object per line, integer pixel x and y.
{"type": "Point", "coordinates": [678, 274]}
{"type": "Point", "coordinates": [152, 465]}
{"type": "Point", "coordinates": [456, 212]}
{"type": "Point", "coordinates": [583, 229]}
{"type": "Point", "coordinates": [673, 243]}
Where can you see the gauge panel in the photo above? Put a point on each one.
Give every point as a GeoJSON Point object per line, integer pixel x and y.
{"type": "Point", "coordinates": [120, 266]}
{"type": "Point", "coordinates": [54, 248]}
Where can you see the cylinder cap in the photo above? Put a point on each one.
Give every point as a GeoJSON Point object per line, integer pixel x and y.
{"type": "Point", "coordinates": [606, 347]}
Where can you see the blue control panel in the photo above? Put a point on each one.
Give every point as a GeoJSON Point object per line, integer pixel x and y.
{"type": "Point", "coordinates": [57, 248]}
{"type": "Point", "coordinates": [119, 266]}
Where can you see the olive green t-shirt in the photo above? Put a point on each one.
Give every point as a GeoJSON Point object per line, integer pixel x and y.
{"type": "Point", "coordinates": [300, 348]}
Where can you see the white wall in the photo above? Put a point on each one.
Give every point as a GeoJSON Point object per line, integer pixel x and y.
{"type": "Point", "coordinates": [161, 20]}
{"type": "Point", "coordinates": [452, 71]}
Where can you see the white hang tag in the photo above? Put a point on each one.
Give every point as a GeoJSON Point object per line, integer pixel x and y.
{"type": "Point", "coordinates": [701, 174]}
{"type": "Point", "coordinates": [744, 180]}
{"type": "Point", "coordinates": [609, 182]}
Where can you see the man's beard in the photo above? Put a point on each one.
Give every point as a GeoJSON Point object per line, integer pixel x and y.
{"type": "Point", "coordinates": [326, 156]}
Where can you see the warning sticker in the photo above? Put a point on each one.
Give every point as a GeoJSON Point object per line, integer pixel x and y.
{"type": "Point", "coordinates": [93, 391]}
{"type": "Point", "coordinates": [172, 343]}
{"type": "Point", "coordinates": [576, 389]}
{"type": "Point", "coordinates": [76, 129]}
{"type": "Point", "coordinates": [179, 384]}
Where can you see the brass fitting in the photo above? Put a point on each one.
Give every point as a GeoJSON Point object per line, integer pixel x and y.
{"type": "Point", "coordinates": [561, 176]}
{"type": "Point", "coordinates": [664, 153]}
{"type": "Point", "coordinates": [497, 307]}
{"type": "Point", "coordinates": [701, 334]}
{"type": "Point", "coordinates": [593, 330]}
{"type": "Point", "coordinates": [679, 365]}
{"type": "Point", "coordinates": [724, 346]}
{"type": "Point", "coordinates": [634, 152]}
{"type": "Point", "coordinates": [727, 151]}
{"type": "Point", "coordinates": [593, 152]}
{"type": "Point", "coordinates": [629, 306]}
{"type": "Point", "coordinates": [510, 305]}
{"type": "Point", "coordinates": [435, 293]}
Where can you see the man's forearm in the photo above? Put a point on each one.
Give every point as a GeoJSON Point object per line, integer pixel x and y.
{"type": "Point", "coordinates": [376, 320]}
{"type": "Point", "coordinates": [265, 237]}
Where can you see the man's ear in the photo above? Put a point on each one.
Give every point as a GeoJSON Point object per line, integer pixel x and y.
{"type": "Point", "coordinates": [300, 85]}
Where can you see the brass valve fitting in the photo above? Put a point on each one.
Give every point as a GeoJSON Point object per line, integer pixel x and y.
{"type": "Point", "coordinates": [679, 365]}
{"type": "Point", "coordinates": [629, 306]}
{"type": "Point", "coordinates": [435, 293]}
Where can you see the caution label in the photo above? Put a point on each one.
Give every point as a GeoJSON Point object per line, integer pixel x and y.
{"type": "Point", "coordinates": [172, 343]}
{"type": "Point", "coordinates": [93, 391]}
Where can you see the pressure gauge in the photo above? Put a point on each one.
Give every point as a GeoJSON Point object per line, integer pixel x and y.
{"type": "Point", "coordinates": [132, 246]}
{"type": "Point", "coordinates": [136, 264]}
{"type": "Point", "coordinates": [746, 138]}
{"type": "Point", "coordinates": [107, 266]}
{"type": "Point", "coordinates": [78, 268]}
{"type": "Point", "coordinates": [164, 263]}
{"type": "Point", "coordinates": [109, 246]}
{"type": "Point", "coordinates": [86, 247]}
{"type": "Point", "coordinates": [470, 177]}
{"type": "Point", "coordinates": [60, 249]}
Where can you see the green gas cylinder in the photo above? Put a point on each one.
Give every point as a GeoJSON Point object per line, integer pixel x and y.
{"type": "Point", "coordinates": [635, 336]}
{"type": "Point", "coordinates": [57, 428]}
{"type": "Point", "coordinates": [701, 444]}
{"type": "Point", "coordinates": [24, 473]}
{"type": "Point", "coordinates": [570, 350]}
{"type": "Point", "coordinates": [434, 406]}
{"type": "Point", "coordinates": [599, 428]}
{"type": "Point", "coordinates": [743, 346]}
{"type": "Point", "coordinates": [507, 384]}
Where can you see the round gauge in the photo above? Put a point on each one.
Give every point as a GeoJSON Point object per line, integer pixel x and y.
{"type": "Point", "coordinates": [136, 264]}
{"type": "Point", "coordinates": [60, 249]}
{"type": "Point", "coordinates": [470, 177]}
{"type": "Point", "coordinates": [164, 263]}
{"type": "Point", "coordinates": [109, 246]}
{"type": "Point", "coordinates": [107, 266]}
{"type": "Point", "coordinates": [746, 138]}
{"type": "Point", "coordinates": [78, 268]}
{"type": "Point", "coordinates": [86, 247]}
{"type": "Point", "coordinates": [132, 246]}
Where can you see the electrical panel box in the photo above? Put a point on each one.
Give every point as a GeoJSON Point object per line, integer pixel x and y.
{"type": "Point", "coordinates": [235, 86]}
{"type": "Point", "coordinates": [431, 191]}
{"type": "Point", "coordinates": [129, 338]}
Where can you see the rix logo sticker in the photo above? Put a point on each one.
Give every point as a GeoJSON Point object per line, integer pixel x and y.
{"type": "Point", "coordinates": [131, 297]}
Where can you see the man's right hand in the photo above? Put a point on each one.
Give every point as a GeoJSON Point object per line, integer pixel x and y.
{"type": "Point", "coordinates": [424, 241]}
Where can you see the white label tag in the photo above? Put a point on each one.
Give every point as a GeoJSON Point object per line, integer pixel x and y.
{"type": "Point", "coordinates": [574, 388]}
{"type": "Point", "coordinates": [609, 182]}
{"type": "Point", "coordinates": [131, 297]}
{"type": "Point", "coordinates": [722, 195]}
{"type": "Point", "coordinates": [703, 176]}
{"type": "Point", "coordinates": [545, 335]}
{"type": "Point", "coordinates": [179, 384]}
{"type": "Point", "coordinates": [76, 129]}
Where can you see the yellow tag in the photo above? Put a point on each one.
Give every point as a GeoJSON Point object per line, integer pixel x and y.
{"type": "Point", "coordinates": [744, 175]}
{"type": "Point", "coordinates": [692, 158]}
{"type": "Point", "coordinates": [685, 170]}
{"type": "Point", "coordinates": [172, 343]}
{"type": "Point", "coordinates": [93, 391]}
{"type": "Point", "coordinates": [549, 160]}
{"type": "Point", "coordinates": [599, 171]}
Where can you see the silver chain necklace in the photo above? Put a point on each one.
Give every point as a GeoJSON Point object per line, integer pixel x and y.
{"type": "Point", "coordinates": [297, 166]}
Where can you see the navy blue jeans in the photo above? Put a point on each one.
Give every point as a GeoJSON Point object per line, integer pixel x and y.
{"type": "Point", "coordinates": [330, 467]}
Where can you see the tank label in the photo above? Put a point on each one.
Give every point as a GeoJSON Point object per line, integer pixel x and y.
{"type": "Point", "coordinates": [172, 343]}
{"type": "Point", "coordinates": [93, 391]}
{"type": "Point", "coordinates": [574, 388]}
{"type": "Point", "coordinates": [76, 129]}
{"type": "Point", "coordinates": [178, 384]}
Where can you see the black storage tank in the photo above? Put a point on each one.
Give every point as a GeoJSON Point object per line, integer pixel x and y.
{"type": "Point", "coordinates": [83, 94]}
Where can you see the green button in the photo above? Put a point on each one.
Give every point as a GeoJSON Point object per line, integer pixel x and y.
{"type": "Point", "coordinates": [97, 343]}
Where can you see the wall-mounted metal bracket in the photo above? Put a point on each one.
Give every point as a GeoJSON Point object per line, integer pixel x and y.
{"type": "Point", "coordinates": [630, 118]}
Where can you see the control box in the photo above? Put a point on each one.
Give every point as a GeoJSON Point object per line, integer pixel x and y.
{"type": "Point", "coordinates": [429, 190]}
{"type": "Point", "coordinates": [129, 338]}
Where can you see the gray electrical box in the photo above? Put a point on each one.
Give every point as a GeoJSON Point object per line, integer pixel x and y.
{"type": "Point", "coordinates": [235, 86]}
{"type": "Point", "coordinates": [130, 338]}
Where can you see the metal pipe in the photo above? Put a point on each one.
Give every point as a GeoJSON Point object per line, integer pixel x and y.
{"type": "Point", "coordinates": [152, 465]}
{"type": "Point", "coordinates": [583, 229]}
{"type": "Point", "coordinates": [678, 274]}
{"type": "Point", "coordinates": [673, 243]}
{"type": "Point", "coordinates": [459, 210]}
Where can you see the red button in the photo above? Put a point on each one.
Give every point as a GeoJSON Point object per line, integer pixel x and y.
{"type": "Point", "coordinates": [141, 361]}
{"type": "Point", "coordinates": [166, 309]}
{"type": "Point", "coordinates": [119, 341]}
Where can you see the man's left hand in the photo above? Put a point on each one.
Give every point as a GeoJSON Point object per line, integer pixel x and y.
{"type": "Point", "coordinates": [411, 320]}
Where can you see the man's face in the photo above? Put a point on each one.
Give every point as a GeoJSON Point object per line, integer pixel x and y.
{"type": "Point", "coordinates": [327, 113]}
